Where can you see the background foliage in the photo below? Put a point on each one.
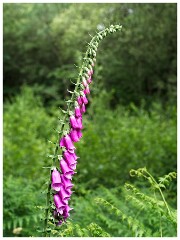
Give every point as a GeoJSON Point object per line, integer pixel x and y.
{"type": "Point", "coordinates": [42, 42]}
{"type": "Point", "coordinates": [130, 121]}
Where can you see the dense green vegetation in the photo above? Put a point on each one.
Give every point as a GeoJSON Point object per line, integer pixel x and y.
{"type": "Point", "coordinates": [113, 143]}
{"type": "Point", "coordinates": [130, 121]}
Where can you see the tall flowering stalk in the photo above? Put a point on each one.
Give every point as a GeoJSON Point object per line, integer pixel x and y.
{"type": "Point", "coordinates": [60, 181]}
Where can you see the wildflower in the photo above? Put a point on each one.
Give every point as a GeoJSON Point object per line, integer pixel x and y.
{"type": "Point", "coordinates": [73, 122]}
{"type": "Point", "coordinates": [64, 195]}
{"type": "Point", "coordinates": [62, 143]}
{"type": "Point", "coordinates": [83, 108]}
{"type": "Point", "coordinates": [79, 133]}
{"type": "Point", "coordinates": [56, 180]}
{"type": "Point", "coordinates": [66, 212]}
{"type": "Point", "coordinates": [84, 99]}
{"type": "Point", "coordinates": [79, 122]}
{"type": "Point", "coordinates": [58, 203]}
{"type": "Point", "coordinates": [77, 111]}
{"type": "Point", "coordinates": [74, 135]}
{"type": "Point", "coordinates": [86, 90]}
{"type": "Point", "coordinates": [67, 183]}
{"type": "Point", "coordinates": [67, 142]}
{"type": "Point", "coordinates": [66, 170]}
{"type": "Point", "coordinates": [70, 160]}
{"type": "Point", "coordinates": [89, 80]}
{"type": "Point", "coordinates": [79, 100]}
{"type": "Point", "coordinates": [70, 157]}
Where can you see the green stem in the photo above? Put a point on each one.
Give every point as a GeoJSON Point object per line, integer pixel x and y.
{"type": "Point", "coordinates": [47, 209]}
{"type": "Point", "coordinates": [160, 193]}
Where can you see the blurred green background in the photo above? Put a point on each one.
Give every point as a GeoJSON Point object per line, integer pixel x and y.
{"type": "Point", "coordinates": [130, 120]}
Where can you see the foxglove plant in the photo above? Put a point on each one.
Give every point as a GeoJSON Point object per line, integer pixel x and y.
{"type": "Point", "coordinates": [60, 183]}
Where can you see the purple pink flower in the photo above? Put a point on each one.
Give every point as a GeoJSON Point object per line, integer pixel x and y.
{"type": "Point", "coordinates": [78, 111]}
{"type": "Point", "coordinates": [74, 136]}
{"type": "Point", "coordinates": [89, 80]}
{"type": "Point", "coordinates": [73, 122]}
{"type": "Point", "coordinates": [66, 170]}
{"type": "Point", "coordinates": [86, 90]}
{"type": "Point", "coordinates": [56, 180]}
{"type": "Point", "coordinates": [61, 182]}
{"type": "Point", "coordinates": [79, 100]}
{"type": "Point", "coordinates": [84, 99]}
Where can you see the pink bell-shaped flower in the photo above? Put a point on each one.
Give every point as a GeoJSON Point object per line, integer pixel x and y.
{"type": "Point", "coordinates": [83, 108]}
{"type": "Point", "coordinates": [86, 90]}
{"type": "Point", "coordinates": [78, 111]}
{"type": "Point", "coordinates": [74, 135]}
{"type": "Point", "coordinates": [66, 212]}
{"type": "Point", "coordinates": [73, 122]}
{"type": "Point", "coordinates": [62, 143]}
{"type": "Point", "coordinates": [79, 121]}
{"type": "Point", "coordinates": [66, 170]}
{"type": "Point", "coordinates": [58, 203]}
{"type": "Point", "coordinates": [79, 101]}
{"type": "Point", "coordinates": [89, 80]}
{"type": "Point", "coordinates": [70, 158]}
{"type": "Point", "coordinates": [67, 183]}
{"type": "Point", "coordinates": [64, 195]}
{"type": "Point", "coordinates": [79, 133]}
{"type": "Point", "coordinates": [67, 143]}
{"type": "Point", "coordinates": [84, 99]}
{"type": "Point", "coordinates": [56, 180]}
{"type": "Point", "coordinates": [73, 166]}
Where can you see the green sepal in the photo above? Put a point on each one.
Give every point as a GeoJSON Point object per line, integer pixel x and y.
{"type": "Point", "coordinates": [50, 156]}
{"type": "Point", "coordinates": [93, 53]}
{"type": "Point", "coordinates": [99, 36]}
{"type": "Point", "coordinates": [69, 101]}
{"type": "Point", "coordinates": [70, 91]}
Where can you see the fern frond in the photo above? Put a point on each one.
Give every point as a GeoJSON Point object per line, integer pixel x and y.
{"type": "Point", "coordinates": [137, 228]}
